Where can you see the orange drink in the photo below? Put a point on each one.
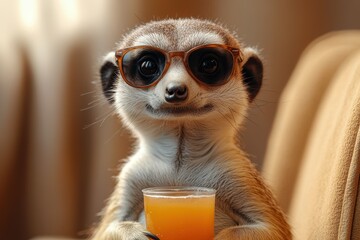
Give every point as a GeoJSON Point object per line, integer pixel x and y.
{"type": "Point", "coordinates": [179, 213]}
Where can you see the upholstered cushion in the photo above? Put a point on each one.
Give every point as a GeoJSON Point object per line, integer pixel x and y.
{"type": "Point", "coordinates": [312, 160]}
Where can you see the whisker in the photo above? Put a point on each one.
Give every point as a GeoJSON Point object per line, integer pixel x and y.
{"type": "Point", "coordinates": [99, 103]}
{"type": "Point", "coordinates": [232, 114]}
{"type": "Point", "coordinates": [87, 93]}
{"type": "Point", "coordinates": [249, 120]}
{"type": "Point", "coordinates": [106, 117]}
{"type": "Point", "coordinates": [119, 130]}
{"type": "Point", "coordinates": [90, 107]}
{"type": "Point", "coordinates": [90, 124]}
{"type": "Point", "coordinates": [228, 120]}
{"type": "Point", "coordinates": [100, 120]}
{"type": "Point", "coordinates": [96, 100]}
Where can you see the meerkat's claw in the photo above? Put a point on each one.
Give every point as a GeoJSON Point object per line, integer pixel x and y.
{"type": "Point", "coordinates": [152, 236]}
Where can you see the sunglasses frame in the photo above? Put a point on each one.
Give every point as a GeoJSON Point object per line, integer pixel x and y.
{"type": "Point", "coordinates": [184, 55]}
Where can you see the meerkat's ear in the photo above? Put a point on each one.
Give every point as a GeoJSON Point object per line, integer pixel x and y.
{"type": "Point", "coordinates": [252, 72]}
{"type": "Point", "coordinates": [109, 72]}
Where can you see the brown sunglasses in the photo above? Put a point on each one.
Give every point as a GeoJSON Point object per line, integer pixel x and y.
{"type": "Point", "coordinates": [144, 66]}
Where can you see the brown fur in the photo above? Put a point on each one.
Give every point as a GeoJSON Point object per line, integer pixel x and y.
{"type": "Point", "coordinates": [169, 29]}
{"type": "Point", "coordinates": [190, 150]}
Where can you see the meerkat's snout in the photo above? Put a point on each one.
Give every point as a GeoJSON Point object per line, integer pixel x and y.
{"type": "Point", "coordinates": [176, 92]}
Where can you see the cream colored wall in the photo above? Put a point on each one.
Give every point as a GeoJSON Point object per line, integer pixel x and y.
{"type": "Point", "coordinates": [55, 175]}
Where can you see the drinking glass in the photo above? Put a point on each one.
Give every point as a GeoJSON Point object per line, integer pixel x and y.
{"type": "Point", "coordinates": [178, 213]}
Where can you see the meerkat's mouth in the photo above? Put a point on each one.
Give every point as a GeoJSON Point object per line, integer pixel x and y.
{"type": "Point", "coordinates": [179, 111]}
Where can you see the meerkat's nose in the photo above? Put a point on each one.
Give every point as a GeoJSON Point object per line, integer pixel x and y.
{"type": "Point", "coordinates": [176, 92]}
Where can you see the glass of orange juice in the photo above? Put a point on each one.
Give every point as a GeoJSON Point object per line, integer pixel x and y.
{"type": "Point", "coordinates": [178, 213]}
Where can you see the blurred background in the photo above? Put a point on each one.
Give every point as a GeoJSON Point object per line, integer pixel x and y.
{"type": "Point", "coordinates": [60, 143]}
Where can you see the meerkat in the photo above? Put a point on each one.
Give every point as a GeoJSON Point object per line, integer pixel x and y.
{"type": "Point", "coordinates": [183, 88]}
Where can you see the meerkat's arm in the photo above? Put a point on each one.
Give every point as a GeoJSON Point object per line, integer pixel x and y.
{"type": "Point", "coordinates": [254, 207]}
{"type": "Point", "coordinates": [121, 215]}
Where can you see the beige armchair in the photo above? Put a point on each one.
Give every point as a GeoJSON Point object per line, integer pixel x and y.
{"type": "Point", "coordinates": [313, 155]}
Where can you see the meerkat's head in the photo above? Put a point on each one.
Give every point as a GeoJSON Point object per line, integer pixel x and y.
{"type": "Point", "coordinates": [181, 70]}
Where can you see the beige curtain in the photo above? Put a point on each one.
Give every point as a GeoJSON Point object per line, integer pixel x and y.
{"type": "Point", "coordinates": [60, 141]}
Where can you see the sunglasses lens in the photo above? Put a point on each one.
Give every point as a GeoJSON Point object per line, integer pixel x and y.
{"type": "Point", "coordinates": [142, 67]}
{"type": "Point", "coordinates": [211, 65]}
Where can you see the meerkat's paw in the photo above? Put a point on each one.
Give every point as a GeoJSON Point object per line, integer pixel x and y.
{"type": "Point", "coordinates": [127, 231]}
{"type": "Point", "coordinates": [238, 232]}
{"type": "Point", "coordinates": [223, 235]}
{"type": "Point", "coordinates": [250, 232]}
